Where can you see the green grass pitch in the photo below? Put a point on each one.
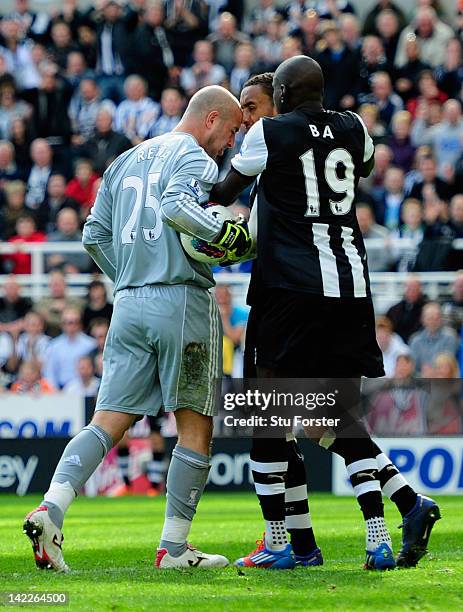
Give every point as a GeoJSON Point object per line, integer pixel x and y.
{"type": "Point", "coordinates": [109, 545]}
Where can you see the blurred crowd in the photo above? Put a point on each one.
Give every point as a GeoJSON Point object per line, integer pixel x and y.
{"type": "Point", "coordinates": [80, 86]}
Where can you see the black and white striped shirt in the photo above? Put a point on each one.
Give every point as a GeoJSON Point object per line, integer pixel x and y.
{"type": "Point", "coordinates": [308, 237]}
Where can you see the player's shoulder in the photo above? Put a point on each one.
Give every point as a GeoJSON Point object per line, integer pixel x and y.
{"type": "Point", "coordinates": [347, 120]}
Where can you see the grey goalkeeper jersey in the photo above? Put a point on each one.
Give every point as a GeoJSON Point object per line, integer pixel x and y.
{"type": "Point", "coordinates": [147, 195]}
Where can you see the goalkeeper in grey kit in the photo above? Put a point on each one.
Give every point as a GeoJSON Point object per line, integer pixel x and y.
{"type": "Point", "coordinates": [165, 340]}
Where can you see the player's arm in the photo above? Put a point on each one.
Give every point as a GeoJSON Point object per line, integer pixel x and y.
{"type": "Point", "coordinates": [368, 151]}
{"type": "Point", "coordinates": [97, 236]}
{"type": "Point", "coordinates": [246, 165]}
{"type": "Point", "coordinates": [368, 166]}
{"type": "Point", "coordinates": [186, 195]}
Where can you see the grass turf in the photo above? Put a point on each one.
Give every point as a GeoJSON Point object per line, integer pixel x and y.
{"type": "Point", "coordinates": [110, 542]}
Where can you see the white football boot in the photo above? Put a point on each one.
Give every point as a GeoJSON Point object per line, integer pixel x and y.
{"type": "Point", "coordinates": [46, 540]}
{"type": "Point", "coordinates": [192, 557]}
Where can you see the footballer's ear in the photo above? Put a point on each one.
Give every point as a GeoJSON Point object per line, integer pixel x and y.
{"type": "Point", "coordinates": [283, 94]}
{"type": "Point", "coordinates": [211, 118]}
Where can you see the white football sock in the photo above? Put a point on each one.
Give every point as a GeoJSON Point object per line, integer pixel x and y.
{"type": "Point", "coordinates": [377, 533]}
{"type": "Point", "coordinates": [275, 535]}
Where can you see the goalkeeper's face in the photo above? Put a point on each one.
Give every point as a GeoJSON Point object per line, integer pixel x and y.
{"type": "Point", "coordinates": [222, 131]}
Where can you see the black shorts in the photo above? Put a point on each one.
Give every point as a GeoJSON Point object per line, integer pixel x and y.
{"type": "Point", "coordinates": [299, 335]}
{"type": "Point", "coordinates": [156, 422]}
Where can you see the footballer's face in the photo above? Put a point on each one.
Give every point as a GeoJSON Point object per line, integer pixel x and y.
{"type": "Point", "coordinates": [255, 104]}
{"type": "Point", "coordinates": [222, 129]}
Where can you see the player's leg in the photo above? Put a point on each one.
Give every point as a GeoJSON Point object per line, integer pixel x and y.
{"type": "Point", "coordinates": [80, 459]}
{"type": "Point", "coordinates": [297, 515]}
{"type": "Point", "coordinates": [157, 466]}
{"type": "Point", "coordinates": [189, 358]}
{"type": "Point", "coordinates": [129, 375]}
{"type": "Point", "coordinates": [123, 460]}
{"type": "Point", "coordinates": [419, 512]}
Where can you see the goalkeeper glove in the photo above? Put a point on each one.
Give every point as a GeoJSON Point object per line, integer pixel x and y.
{"type": "Point", "coordinates": [235, 238]}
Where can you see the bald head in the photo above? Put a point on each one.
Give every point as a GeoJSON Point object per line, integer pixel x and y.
{"type": "Point", "coordinates": [212, 98]}
{"type": "Point", "coordinates": [213, 117]}
{"type": "Point", "coordinates": [297, 81]}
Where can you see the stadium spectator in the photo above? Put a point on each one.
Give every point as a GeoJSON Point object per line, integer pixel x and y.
{"type": "Point", "coordinates": [370, 23]}
{"type": "Point", "coordinates": [412, 230]}
{"type": "Point", "coordinates": [105, 144]}
{"type": "Point", "coordinates": [408, 74]}
{"type": "Point", "coordinates": [11, 108]}
{"type": "Point", "coordinates": [243, 68]}
{"type": "Point", "coordinates": [136, 114]}
{"type": "Point", "coordinates": [445, 409]}
{"type": "Point", "coordinates": [234, 320]}
{"type": "Point", "coordinates": [99, 330]}
{"type": "Point", "coordinates": [308, 33]}
{"type": "Point", "coordinates": [87, 39]}
{"type": "Point", "coordinates": [13, 307]}
{"type": "Point", "coordinates": [445, 138]}
{"type": "Point", "coordinates": [225, 40]}
{"type": "Point", "coordinates": [269, 46]}
{"type": "Point", "coordinates": [42, 157]}
{"type": "Point", "coordinates": [405, 316]}
{"type": "Point", "coordinates": [388, 206]}
{"type": "Point", "coordinates": [76, 70]}
{"type": "Point", "coordinates": [340, 69]}
{"type": "Point", "coordinates": [369, 114]}
{"type": "Point", "coordinates": [390, 343]}
{"type": "Point", "coordinates": [17, 54]}
{"type": "Point", "coordinates": [26, 232]}
{"type": "Point", "coordinates": [433, 339]}
{"type": "Point", "coordinates": [112, 36]}
{"type": "Point", "coordinates": [97, 306]}
{"type": "Point", "coordinates": [30, 380]}
{"type": "Point", "coordinates": [388, 26]}
{"type": "Point", "coordinates": [21, 140]}
{"type": "Point", "coordinates": [203, 72]}
{"type": "Point", "coordinates": [374, 184]}
{"type": "Point", "coordinates": [80, 188]}
{"type": "Point", "coordinates": [428, 178]}
{"type": "Point", "coordinates": [449, 75]}
{"type": "Point", "coordinates": [31, 24]}
{"type": "Point", "coordinates": [52, 306]}
{"type": "Point", "coordinates": [379, 257]}
{"type": "Point", "coordinates": [6, 352]}
{"type": "Point", "coordinates": [384, 97]}
{"type": "Point", "coordinates": [186, 23]}
{"type": "Point", "coordinates": [260, 16]}
{"type": "Point", "coordinates": [84, 108]}
{"type": "Point", "coordinates": [50, 101]}
{"type": "Point", "coordinates": [15, 193]}
{"type": "Point", "coordinates": [68, 230]}
{"type": "Point", "coordinates": [85, 384]}
{"type": "Point", "coordinates": [432, 36]}
{"type": "Point", "coordinates": [373, 59]}
{"type": "Point", "coordinates": [290, 47]}
{"type": "Point", "coordinates": [403, 150]}
{"type": "Point", "coordinates": [9, 170]}
{"type": "Point", "coordinates": [61, 44]}
{"type": "Point", "coordinates": [55, 200]}
{"type": "Point", "coordinates": [66, 350]}
{"type": "Point", "coordinates": [172, 107]}
{"type": "Point", "coordinates": [32, 344]}
{"type": "Point", "coordinates": [151, 55]}
{"type": "Point", "coordinates": [350, 32]}
{"type": "Point", "coordinates": [400, 406]}
{"type": "Point", "coordinates": [428, 95]}
{"type": "Point", "coordinates": [452, 310]}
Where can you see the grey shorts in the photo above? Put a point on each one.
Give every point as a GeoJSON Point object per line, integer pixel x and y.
{"type": "Point", "coordinates": [164, 348]}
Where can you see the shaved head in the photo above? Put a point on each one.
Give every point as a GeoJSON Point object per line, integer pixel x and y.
{"type": "Point", "coordinates": [212, 98]}
{"type": "Point", "coordinates": [298, 81]}
{"type": "Point", "coordinates": [213, 117]}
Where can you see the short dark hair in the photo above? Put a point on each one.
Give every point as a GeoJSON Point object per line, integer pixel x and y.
{"type": "Point", "coordinates": [264, 80]}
